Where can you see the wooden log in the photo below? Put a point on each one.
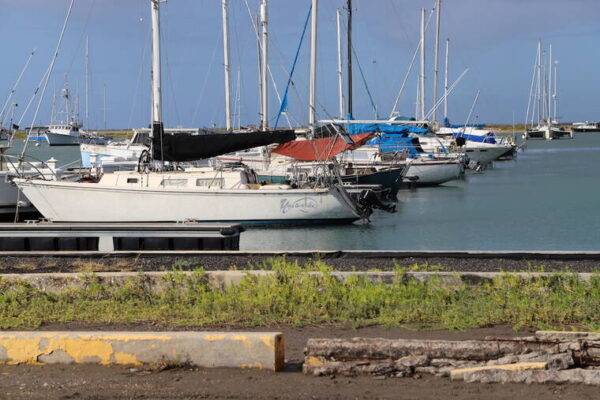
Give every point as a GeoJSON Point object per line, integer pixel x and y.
{"type": "Point", "coordinates": [585, 376]}
{"type": "Point", "coordinates": [459, 373]}
{"type": "Point", "coordinates": [402, 367]}
{"type": "Point", "coordinates": [567, 336]}
{"type": "Point", "coordinates": [376, 348]}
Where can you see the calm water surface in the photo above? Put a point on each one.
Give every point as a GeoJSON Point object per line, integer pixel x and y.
{"type": "Point", "coordinates": [547, 199]}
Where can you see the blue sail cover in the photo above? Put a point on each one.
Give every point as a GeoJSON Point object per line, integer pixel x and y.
{"type": "Point", "coordinates": [487, 138]}
{"type": "Point", "coordinates": [355, 129]}
{"type": "Point", "coordinates": [447, 124]}
{"type": "Point", "coordinates": [397, 143]}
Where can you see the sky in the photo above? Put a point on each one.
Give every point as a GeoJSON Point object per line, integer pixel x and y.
{"type": "Point", "coordinates": [495, 39]}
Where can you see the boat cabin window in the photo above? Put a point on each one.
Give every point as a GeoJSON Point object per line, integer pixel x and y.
{"type": "Point", "coordinates": [132, 180]}
{"type": "Point", "coordinates": [141, 138]}
{"type": "Point", "coordinates": [210, 182]}
{"type": "Point", "coordinates": [174, 182]}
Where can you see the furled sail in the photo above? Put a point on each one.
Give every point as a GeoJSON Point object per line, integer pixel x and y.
{"type": "Point", "coordinates": [183, 146]}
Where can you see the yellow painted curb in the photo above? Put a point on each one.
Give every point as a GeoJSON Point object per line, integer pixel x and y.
{"type": "Point", "coordinates": [459, 373]}
{"type": "Point", "coordinates": [259, 350]}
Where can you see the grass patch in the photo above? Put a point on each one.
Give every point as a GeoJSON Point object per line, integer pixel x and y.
{"type": "Point", "coordinates": [292, 296]}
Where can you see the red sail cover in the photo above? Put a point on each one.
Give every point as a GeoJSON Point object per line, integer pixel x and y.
{"type": "Point", "coordinates": [320, 149]}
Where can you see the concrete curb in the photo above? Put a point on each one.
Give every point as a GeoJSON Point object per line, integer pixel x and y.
{"type": "Point", "coordinates": [200, 349]}
{"type": "Point", "coordinates": [326, 254]}
{"type": "Point", "coordinates": [158, 281]}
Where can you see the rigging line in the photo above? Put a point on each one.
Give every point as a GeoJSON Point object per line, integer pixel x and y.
{"type": "Point", "coordinates": [14, 88]}
{"type": "Point", "coordinates": [33, 96]}
{"type": "Point", "coordinates": [170, 85]}
{"type": "Point", "coordinates": [268, 66]}
{"type": "Point", "coordinates": [79, 42]}
{"type": "Point", "coordinates": [402, 87]}
{"type": "Point", "coordinates": [51, 68]}
{"type": "Point", "coordinates": [284, 105]}
{"type": "Point", "coordinates": [139, 79]}
{"type": "Point", "coordinates": [201, 95]}
{"type": "Point", "coordinates": [450, 89]}
{"type": "Point", "coordinates": [362, 75]}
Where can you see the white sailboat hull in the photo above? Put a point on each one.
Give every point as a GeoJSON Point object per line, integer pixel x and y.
{"type": "Point", "coordinates": [434, 172]}
{"type": "Point", "coordinates": [78, 202]}
{"type": "Point", "coordinates": [128, 153]}
{"type": "Point", "coordinates": [486, 153]}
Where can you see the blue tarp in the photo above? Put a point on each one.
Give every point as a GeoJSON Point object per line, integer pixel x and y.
{"type": "Point", "coordinates": [489, 138]}
{"type": "Point", "coordinates": [447, 124]}
{"type": "Point", "coordinates": [355, 129]}
{"type": "Point", "coordinates": [397, 143]}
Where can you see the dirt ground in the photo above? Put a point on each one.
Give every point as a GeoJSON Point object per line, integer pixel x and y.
{"type": "Point", "coordinates": [99, 382]}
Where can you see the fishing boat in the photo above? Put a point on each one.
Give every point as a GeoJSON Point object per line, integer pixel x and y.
{"type": "Point", "coordinates": [586, 127]}
{"type": "Point", "coordinates": [159, 193]}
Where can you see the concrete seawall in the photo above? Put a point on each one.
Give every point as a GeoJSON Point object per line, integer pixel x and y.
{"type": "Point", "coordinates": [160, 281]}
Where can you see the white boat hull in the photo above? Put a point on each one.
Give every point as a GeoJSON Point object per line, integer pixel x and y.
{"type": "Point", "coordinates": [118, 152]}
{"type": "Point", "coordinates": [434, 173]}
{"type": "Point", "coordinates": [486, 153]}
{"type": "Point", "coordinates": [79, 202]}
{"type": "Point", "coordinates": [57, 139]}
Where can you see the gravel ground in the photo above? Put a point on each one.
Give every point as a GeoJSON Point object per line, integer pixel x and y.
{"type": "Point", "coordinates": [98, 382]}
{"type": "Point", "coordinates": [343, 263]}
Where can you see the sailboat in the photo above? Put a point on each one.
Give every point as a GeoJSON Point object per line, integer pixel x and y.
{"type": "Point", "coordinates": [541, 98]}
{"type": "Point", "coordinates": [158, 193]}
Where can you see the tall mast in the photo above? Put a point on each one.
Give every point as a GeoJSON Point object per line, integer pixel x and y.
{"type": "Point", "coordinates": [446, 79]}
{"type": "Point", "coordinates": [104, 106]}
{"type": "Point", "coordinates": [555, 94]}
{"type": "Point", "coordinates": [340, 65]}
{"type": "Point", "coordinates": [259, 62]}
{"type": "Point", "coordinates": [349, 56]}
{"type": "Point", "coordinates": [550, 85]}
{"type": "Point", "coordinates": [156, 73]}
{"type": "Point", "coordinates": [226, 65]}
{"type": "Point", "coordinates": [313, 69]}
{"type": "Point", "coordinates": [438, 7]}
{"type": "Point", "coordinates": [87, 80]}
{"type": "Point", "coordinates": [422, 74]}
{"type": "Point", "coordinates": [539, 80]}
{"type": "Point", "coordinates": [265, 65]}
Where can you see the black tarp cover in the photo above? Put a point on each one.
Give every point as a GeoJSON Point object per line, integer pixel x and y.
{"type": "Point", "coordinates": [183, 146]}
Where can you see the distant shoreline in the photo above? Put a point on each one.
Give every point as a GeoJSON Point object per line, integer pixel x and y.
{"type": "Point", "coordinates": [127, 133]}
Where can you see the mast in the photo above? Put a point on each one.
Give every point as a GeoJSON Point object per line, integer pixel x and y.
{"type": "Point", "coordinates": [87, 80]}
{"type": "Point", "coordinates": [349, 56]}
{"type": "Point", "coordinates": [259, 63]}
{"type": "Point", "coordinates": [265, 65]}
{"type": "Point", "coordinates": [550, 85]}
{"type": "Point", "coordinates": [555, 94]}
{"type": "Point", "coordinates": [422, 74]}
{"type": "Point", "coordinates": [157, 125]}
{"type": "Point", "coordinates": [104, 106]}
{"type": "Point", "coordinates": [539, 87]}
{"type": "Point", "coordinates": [446, 80]}
{"type": "Point", "coordinates": [226, 65]}
{"type": "Point", "coordinates": [340, 65]}
{"type": "Point", "coordinates": [313, 69]}
{"type": "Point", "coordinates": [438, 7]}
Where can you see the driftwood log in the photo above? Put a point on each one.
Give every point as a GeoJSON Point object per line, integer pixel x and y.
{"type": "Point", "coordinates": [472, 360]}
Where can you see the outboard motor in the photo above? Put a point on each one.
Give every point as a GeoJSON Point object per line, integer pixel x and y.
{"type": "Point", "coordinates": [368, 200]}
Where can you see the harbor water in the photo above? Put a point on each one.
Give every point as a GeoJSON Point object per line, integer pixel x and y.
{"type": "Point", "coordinates": [546, 199]}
